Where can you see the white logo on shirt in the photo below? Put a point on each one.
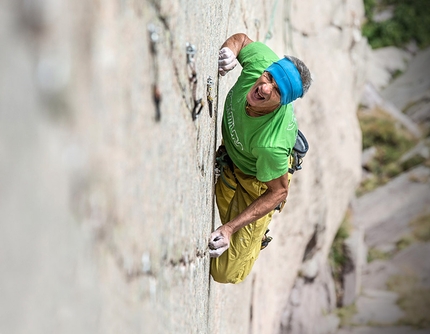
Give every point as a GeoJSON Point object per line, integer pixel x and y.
{"type": "Point", "coordinates": [292, 124]}
{"type": "Point", "coordinates": [230, 122]}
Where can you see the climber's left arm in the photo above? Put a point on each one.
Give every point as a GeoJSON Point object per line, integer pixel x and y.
{"type": "Point", "coordinates": [277, 191]}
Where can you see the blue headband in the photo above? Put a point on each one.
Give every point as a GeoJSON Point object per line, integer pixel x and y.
{"type": "Point", "coordinates": [288, 79]}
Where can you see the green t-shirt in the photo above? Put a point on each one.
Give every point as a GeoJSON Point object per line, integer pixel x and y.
{"type": "Point", "coordinates": [258, 146]}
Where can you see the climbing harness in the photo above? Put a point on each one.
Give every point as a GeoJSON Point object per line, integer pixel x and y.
{"type": "Point", "coordinates": [198, 104]}
{"type": "Point", "coordinates": [266, 239]}
{"type": "Point", "coordinates": [300, 149]}
{"type": "Point", "coordinates": [222, 160]}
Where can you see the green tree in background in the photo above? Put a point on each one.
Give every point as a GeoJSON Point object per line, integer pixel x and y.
{"type": "Point", "coordinates": [410, 21]}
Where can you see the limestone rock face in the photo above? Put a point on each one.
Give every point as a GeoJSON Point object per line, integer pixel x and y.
{"type": "Point", "coordinates": [107, 175]}
{"type": "Point", "coordinates": [386, 217]}
{"type": "Point", "coordinates": [385, 62]}
{"type": "Point", "coordinates": [413, 85]}
{"type": "Point", "coordinates": [411, 91]}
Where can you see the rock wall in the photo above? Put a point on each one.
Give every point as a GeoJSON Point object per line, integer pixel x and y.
{"type": "Point", "coordinates": [107, 178]}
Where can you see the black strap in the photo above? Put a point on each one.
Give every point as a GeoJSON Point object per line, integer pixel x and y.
{"type": "Point", "coordinates": [301, 145]}
{"type": "Point", "coordinates": [300, 149]}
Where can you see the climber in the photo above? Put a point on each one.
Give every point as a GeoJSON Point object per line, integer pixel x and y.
{"type": "Point", "coordinates": [259, 131]}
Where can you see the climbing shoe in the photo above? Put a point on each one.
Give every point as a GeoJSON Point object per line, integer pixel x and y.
{"type": "Point", "coordinates": [266, 239]}
{"type": "Point", "coordinates": [280, 206]}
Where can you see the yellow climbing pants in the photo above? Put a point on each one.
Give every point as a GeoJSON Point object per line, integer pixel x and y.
{"type": "Point", "coordinates": [237, 261]}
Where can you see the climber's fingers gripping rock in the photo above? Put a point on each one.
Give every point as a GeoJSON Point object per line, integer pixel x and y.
{"type": "Point", "coordinates": [226, 61]}
{"type": "Point", "coordinates": [219, 241]}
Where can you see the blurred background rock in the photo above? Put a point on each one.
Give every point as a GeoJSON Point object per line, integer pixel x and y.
{"type": "Point", "coordinates": [106, 183]}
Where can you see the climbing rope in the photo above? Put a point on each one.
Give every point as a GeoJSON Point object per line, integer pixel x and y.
{"type": "Point", "coordinates": [289, 27]}
{"type": "Point", "coordinates": [269, 33]}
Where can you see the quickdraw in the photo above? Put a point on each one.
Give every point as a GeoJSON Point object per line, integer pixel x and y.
{"type": "Point", "coordinates": [209, 97]}
{"type": "Point", "coordinates": [154, 37]}
{"type": "Point", "coordinates": [198, 103]}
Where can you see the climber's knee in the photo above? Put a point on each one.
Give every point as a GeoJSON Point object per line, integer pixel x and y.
{"type": "Point", "coordinates": [235, 264]}
{"type": "Point", "coordinates": [230, 272]}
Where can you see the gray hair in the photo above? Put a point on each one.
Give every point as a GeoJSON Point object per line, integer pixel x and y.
{"type": "Point", "coordinates": [305, 74]}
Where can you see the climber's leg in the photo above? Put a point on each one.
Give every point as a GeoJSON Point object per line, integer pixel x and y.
{"type": "Point", "coordinates": [245, 245]}
{"type": "Point", "coordinates": [224, 193]}
{"type": "Point", "coordinates": [237, 261]}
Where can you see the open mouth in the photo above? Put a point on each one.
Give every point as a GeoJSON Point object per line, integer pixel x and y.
{"type": "Point", "coordinates": [257, 95]}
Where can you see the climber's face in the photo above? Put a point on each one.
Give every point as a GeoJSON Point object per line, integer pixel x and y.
{"type": "Point", "coordinates": [264, 94]}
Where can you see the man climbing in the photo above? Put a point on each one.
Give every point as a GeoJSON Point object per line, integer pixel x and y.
{"type": "Point", "coordinates": [259, 132]}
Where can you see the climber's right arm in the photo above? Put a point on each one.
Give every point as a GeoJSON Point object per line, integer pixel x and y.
{"type": "Point", "coordinates": [229, 51]}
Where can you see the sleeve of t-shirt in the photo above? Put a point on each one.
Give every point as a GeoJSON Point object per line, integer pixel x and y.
{"type": "Point", "coordinates": [271, 163]}
{"type": "Point", "coordinates": [255, 58]}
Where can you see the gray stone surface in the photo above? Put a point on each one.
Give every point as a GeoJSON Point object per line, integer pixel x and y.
{"type": "Point", "coordinates": [384, 14]}
{"type": "Point", "coordinates": [356, 248]}
{"type": "Point", "coordinates": [413, 85]}
{"type": "Point", "coordinates": [329, 324]}
{"type": "Point", "coordinates": [383, 330]}
{"type": "Point", "coordinates": [386, 212]}
{"type": "Point", "coordinates": [377, 306]}
{"type": "Point", "coordinates": [367, 156]}
{"type": "Point", "coordinates": [419, 111]}
{"type": "Point", "coordinates": [376, 274]}
{"type": "Point", "coordinates": [106, 210]}
{"type": "Point", "coordinates": [383, 63]}
{"type": "Point", "coordinates": [310, 304]}
{"type": "Point", "coordinates": [414, 260]}
{"type": "Point", "coordinates": [421, 150]}
{"type": "Point", "coordinates": [371, 98]}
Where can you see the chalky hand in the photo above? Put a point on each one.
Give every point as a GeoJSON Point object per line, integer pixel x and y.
{"type": "Point", "coordinates": [226, 61]}
{"type": "Point", "coordinates": [219, 241]}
